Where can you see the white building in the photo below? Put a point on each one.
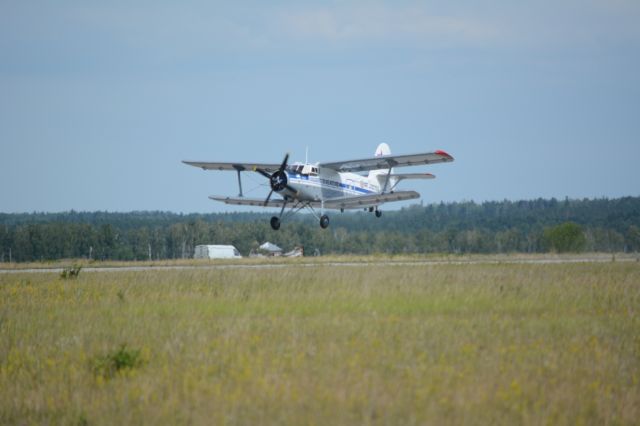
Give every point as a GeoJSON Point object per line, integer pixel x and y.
{"type": "Point", "coordinates": [216, 252]}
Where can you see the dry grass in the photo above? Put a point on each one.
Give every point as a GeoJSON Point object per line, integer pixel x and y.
{"type": "Point", "coordinates": [327, 344]}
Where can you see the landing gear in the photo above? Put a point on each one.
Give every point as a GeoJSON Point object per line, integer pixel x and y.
{"type": "Point", "coordinates": [277, 220]}
{"type": "Point", "coordinates": [374, 209]}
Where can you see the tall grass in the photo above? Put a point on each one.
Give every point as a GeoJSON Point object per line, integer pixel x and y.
{"type": "Point", "coordinates": [498, 344]}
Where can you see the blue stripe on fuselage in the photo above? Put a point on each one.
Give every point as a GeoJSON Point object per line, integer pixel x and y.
{"type": "Point", "coordinates": [331, 183]}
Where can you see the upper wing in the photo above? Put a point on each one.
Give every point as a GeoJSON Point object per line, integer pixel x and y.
{"type": "Point", "coordinates": [387, 161]}
{"type": "Point", "coordinates": [233, 166]}
{"type": "Point", "coordinates": [369, 200]}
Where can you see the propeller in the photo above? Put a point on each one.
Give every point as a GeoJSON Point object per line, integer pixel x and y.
{"type": "Point", "coordinates": [278, 179]}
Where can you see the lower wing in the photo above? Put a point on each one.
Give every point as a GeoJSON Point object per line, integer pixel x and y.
{"type": "Point", "coordinates": [358, 202]}
{"type": "Point", "coordinates": [369, 200]}
{"type": "Point", "coordinates": [242, 201]}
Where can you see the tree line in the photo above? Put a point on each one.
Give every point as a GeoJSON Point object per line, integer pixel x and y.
{"type": "Point", "coordinates": [528, 226]}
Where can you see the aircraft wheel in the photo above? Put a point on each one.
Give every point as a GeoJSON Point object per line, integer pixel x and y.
{"type": "Point", "coordinates": [370, 209]}
{"type": "Point", "coordinates": [275, 223]}
{"type": "Point", "coordinates": [378, 213]}
{"type": "Point", "coordinates": [324, 221]}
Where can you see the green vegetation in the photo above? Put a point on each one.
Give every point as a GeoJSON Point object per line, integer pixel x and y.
{"type": "Point", "coordinates": [120, 362]}
{"type": "Point", "coordinates": [70, 272]}
{"type": "Point", "coordinates": [566, 237]}
{"type": "Point", "coordinates": [491, 227]}
{"type": "Point", "coordinates": [324, 344]}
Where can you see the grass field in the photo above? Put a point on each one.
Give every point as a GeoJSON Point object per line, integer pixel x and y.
{"type": "Point", "coordinates": [325, 344]}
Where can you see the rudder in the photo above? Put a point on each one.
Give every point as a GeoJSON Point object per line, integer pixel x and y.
{"type": "Point", "coordinates": [382, 149]}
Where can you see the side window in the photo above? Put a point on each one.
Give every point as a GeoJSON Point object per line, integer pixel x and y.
{"type": "Point", "coordinates": [307, 169]}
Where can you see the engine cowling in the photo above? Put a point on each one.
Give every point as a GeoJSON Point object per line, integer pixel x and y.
{"type": "Point", "coordinates": [278, 180]}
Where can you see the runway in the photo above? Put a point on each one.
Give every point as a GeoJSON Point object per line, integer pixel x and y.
{"type": "Point", "coordinates": [488, 261]}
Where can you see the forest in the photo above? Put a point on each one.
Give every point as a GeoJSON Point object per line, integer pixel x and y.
{"type": "Point", "coordinates": [526, 226]}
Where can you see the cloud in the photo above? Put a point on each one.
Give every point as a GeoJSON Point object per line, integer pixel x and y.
{"type": "Point", "coordinates": [167, 31]}
{"type": "Point", "coordinates": [368, 23]}
{"type": "Point", "coordinates": [543, 24]}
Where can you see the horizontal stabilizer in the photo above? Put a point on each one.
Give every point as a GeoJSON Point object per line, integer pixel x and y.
{"type": "Point", "coordinates": [401, 176]}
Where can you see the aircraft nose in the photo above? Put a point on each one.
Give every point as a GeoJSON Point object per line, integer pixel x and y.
{"type": "Point", "coordinates": [279, 180]}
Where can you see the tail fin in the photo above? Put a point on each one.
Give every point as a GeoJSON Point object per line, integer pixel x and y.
{"type": "Point", "coordinates": [378, 177]}
{"type": "Point", "coordinates": [383, 149]}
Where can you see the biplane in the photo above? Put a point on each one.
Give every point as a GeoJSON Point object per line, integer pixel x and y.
{"type": "Point", "coordinates": [365, 183]}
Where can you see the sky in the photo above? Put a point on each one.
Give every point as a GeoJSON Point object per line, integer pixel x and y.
{"type": "Point", "coordinates": [100, 101]}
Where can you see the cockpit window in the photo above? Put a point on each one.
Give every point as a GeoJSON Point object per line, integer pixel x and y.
{"type": "Point", "coordinates": [303, 169]}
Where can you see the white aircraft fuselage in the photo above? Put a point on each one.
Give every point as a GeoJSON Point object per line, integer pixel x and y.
{"type": "Point", "coordinates": [316, 184]}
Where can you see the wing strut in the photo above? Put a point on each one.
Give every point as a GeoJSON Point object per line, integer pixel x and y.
{"type": "Point", "coordinates": [386, 182]}
{"type": "Point", "coordinates": [239, 183]}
